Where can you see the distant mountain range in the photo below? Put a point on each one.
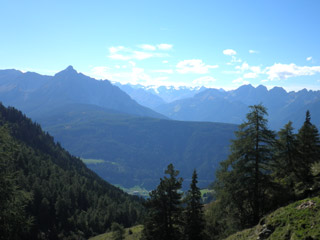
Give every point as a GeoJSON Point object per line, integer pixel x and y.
{"type": "Point", "coordinates": [231, 106]}
{"type": "Point", "coordinates": [154, 96]}
{"type": "Point", "coordinates": [35, 94]}
{"type": "Point", "coordinates": [218, 105]}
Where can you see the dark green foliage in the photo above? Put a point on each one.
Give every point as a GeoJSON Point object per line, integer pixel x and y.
{"type": "Point", "coordinates": [194, 216]}
{"type": "Point", "coordinates": [286, 170]}
{"type": "Point", "coordinates": [14, 221]}
{"type": "Point", "coordinates": [308, 152]}
{"type": "Point", "coordinates": [164, 209]}
{"type": "Point", "coordinates": [244, 179]}
{"type": "Point", "coordinates": [117, 231]}
{"type": "Point", "coordinates": [68, 200]}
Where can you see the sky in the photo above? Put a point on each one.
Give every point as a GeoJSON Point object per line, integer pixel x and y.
{"type": "Point", "coordinates": [219, 44]}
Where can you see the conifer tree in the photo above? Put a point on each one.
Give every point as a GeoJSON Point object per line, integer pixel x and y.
{"type": "Point", "coordinates": [308, 151]}
{"type": "Point", "coordinates": [194, 216]}
{"type": "Point", "coordinates": [285, 169]}
{"type": "Point", "coordinates": [244, 183]}
{"type": "Point", "coordinates": [164, 205]}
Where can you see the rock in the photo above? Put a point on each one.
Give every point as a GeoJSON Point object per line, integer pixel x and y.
{"type": "Point", "coordinates": [265, 232]}
{"type": "Point", "coordinates": [308, 204]}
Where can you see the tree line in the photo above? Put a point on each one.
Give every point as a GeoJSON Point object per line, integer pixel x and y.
{"type": "Point", "coordinates": [265, 170]}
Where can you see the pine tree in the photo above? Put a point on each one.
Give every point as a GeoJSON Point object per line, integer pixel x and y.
{"type": "Point", "coordinates": [308, 152]}
{"type": "Point", "coordinates": [285, 169]}
{"type": "Point", "coordinates": [194, 216]}
{"type": "Point", "coordinates": [244, 183]}
{"type": "Point", "coordinates": [164, 206]}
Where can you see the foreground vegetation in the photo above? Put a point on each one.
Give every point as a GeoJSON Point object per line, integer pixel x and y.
{"type": "Point", "coordinates": [132, 233]}
{"type": "Point", "coordinates": [299, 220]}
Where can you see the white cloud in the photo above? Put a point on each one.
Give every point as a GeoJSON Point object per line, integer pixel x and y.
{"type": "Point", "coordinates": [284, 71]}
{"type": "Point", "coordinates": [169, 71]}
{"type": "Point", "coordinates": [309, 58]}
{"type": "Point", "coordinates": [250, 75]}
{"type": "Point", "coordinates": [240, 81]}
{"type": "Point", "coordinates": [164, 46]}
{"type": "Point", "coordinates": [125, 54]}
{"type": "Point", "coordinates": [253, 51]}
{"type": "Point", "coordinates": [147, 47]}
{"type": "Point", "coordinates": [101, 72]}
{"type": "Point", "coordinates": [229, 52]}
{"type": "Point", "coordinates": [236, 60]}
{"type": "Point", "coordinates": [132, 63]}
{"type": "Point", "coordinates": [116, 49]}
{"type": "Point", "coordinates": [165, 61]}
{"type": "Point", "coordinates": [204, 81]}
{"type": "Point", "coordinates": [255, 69]}
{"type": "Point", "coordinates": [243, 67]}
{"type": "Point", "coordinates": [194, 66]}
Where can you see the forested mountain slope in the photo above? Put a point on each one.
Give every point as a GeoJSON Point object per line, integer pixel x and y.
{"type": "Point", "coordinates": [48, 193]}
{"type": "Point", "coordinates": [135, 150]}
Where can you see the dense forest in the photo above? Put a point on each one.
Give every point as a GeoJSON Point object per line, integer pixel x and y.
{"type": "Point", "coordinates": [45, 193]}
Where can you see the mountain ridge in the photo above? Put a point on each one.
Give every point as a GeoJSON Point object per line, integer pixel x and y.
{"type": "Point", "coordinates": [66, 86]}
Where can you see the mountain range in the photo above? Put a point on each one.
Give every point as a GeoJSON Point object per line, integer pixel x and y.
{"type": "Point", "coordinates": [154, 96]}
{"type": "Point", "coordinates": [217, 105]}
{"type": "Point", "coordinates": [131, 144]}
{"type": "Point", "coordinates": [128, 144]}
{"type": "Point", "coordinates": [35, 94]}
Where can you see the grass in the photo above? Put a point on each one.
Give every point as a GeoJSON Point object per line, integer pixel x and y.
{"type": "Point", "coordinates": [136, 234]}
{"type": "Point", "coordinates": [92, 161]}
{"type": "Point", "coordinates": [136, 190]}
{"type": "Point", "coordinates": [288, 222]}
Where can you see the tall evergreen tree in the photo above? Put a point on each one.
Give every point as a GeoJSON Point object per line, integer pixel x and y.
{"type": "Point", "coordinates": [244, 182]}
{"type": "Point", "coordinates": [164, 205]}
{"type": "Point", "coordinates": [308, 151]}
{"type": "Point", "coordinates": [286, 160]}
{"type": "Point", "coordinates": [194, 216]}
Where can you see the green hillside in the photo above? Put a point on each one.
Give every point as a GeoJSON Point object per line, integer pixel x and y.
{"type": "Point", "coordinates": [132, 233]}
{"type": "Point", "coordinates": [46, 193]}
{"type": "Point", "coordinates": [299, 220]}
{"type": "Point", "coordinates": [136, 150]}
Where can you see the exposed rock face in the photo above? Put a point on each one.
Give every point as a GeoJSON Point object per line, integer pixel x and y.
{"type": "Point", "coordinates": [265, 232]}
{"type": "Point", "coordinates": [308, 204]}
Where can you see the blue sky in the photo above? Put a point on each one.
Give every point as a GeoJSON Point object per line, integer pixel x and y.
{"type": "Point", "coordinates": [221, 44]}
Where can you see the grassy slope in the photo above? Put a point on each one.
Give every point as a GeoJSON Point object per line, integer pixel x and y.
{"type": "Point", "coordinates": [136, 234]}
{"type": "Point", "coordinates": [287, 223]}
